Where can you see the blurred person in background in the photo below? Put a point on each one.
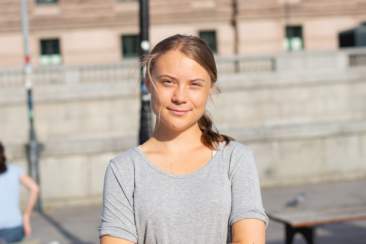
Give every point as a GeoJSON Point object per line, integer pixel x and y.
{"type": "Point", "coordinates": [14, 226]}
{"type": "Point", "coordinates": [187, 183]}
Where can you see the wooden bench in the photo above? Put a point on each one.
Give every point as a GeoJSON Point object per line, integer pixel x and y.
{"type": "Point", "coordinates": [304, 220]}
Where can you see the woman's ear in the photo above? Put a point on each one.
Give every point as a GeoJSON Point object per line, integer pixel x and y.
{"type": "Point", "coordinates": [210, 92]}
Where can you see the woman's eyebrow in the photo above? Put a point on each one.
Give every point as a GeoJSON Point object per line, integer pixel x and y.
{"type": "Point", "coordinates": [198, 79]}
{"type": "Point", "coordinates": [164, 76]}
{"type": "Point", "coordinates": [172, 77]}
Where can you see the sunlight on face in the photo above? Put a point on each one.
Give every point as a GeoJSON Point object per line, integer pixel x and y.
{"type": "Point", "coordinates": [182, 87]}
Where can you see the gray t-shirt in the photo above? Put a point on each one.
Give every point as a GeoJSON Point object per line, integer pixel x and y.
{"type": "Point", "coordinates": [145, 204]}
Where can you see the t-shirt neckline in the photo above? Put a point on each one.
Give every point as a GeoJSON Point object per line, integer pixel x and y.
{"type": "Point", "coordinates": [156, 168]}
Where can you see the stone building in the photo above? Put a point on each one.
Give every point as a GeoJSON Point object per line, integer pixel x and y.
{"type": "Point", "coordinates": [102, 31]}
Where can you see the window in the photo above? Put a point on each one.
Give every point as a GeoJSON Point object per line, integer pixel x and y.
{"type": "Point", "coordinates": [346, 39]}
{"type": "Point", "coordinates": [210, 38]}
{"type": "Point", "coordinates": [129, 46]}
{"type": "Point", "coordinates": [355, 37]}
{"type": "Point", "coordinates": [50, 52]}
{"type": "Point", "coordinates": [293, 40]}
{"type": "Point", "coordinates": [46, 1]}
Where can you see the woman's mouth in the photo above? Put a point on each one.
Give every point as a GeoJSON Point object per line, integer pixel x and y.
{"type": "Point", "coordinates": [178, 112]}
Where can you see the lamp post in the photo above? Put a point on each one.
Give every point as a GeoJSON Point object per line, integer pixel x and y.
{"type": "Point", "coordinates": [236, 35]}
{"type": "Point", "coordinates": [33, 146]}
{"type": "Point", "coordinates": [144, 47]}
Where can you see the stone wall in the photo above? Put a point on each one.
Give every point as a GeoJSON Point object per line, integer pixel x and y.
{"type": "Point", "coordinates": [305, 120]}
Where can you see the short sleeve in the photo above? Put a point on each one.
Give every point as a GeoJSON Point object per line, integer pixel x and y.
{"type": "Point", "coordinates": [16, 170]}
{"type": "Point", "coordinates": [118, 218]}
{"type": "Point", "coordinates": [20, 172]}
{"type": "Point", "coordinates": [245, 187]}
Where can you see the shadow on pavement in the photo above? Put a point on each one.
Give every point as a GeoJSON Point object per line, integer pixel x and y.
{"type": "Point", "coordinates": [69, 236]}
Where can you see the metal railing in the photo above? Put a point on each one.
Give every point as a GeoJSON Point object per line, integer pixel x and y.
{"type": "Point", "coordinates": [128, 70]}
{"type": "Point", "coordinates": [108, 72]}
{"type": "Point", "coordinates": [11, 78]}
{"type": "Point", "coordinates": [238, 64]}
{"type": "Point", "coordinates": [357, 60]}
{"type": "Point", "coordinates": [101, 73]}
{"type": "Point", "coordinates": [43, 75]}
{"type": "Point", "coordinates": [123, 71]}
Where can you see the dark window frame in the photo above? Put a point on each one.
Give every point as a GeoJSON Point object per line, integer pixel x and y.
{"type": "Point", "coordinates": [293, 31]}
{"type": "Point", "coordinates": [46, 1]}
{"type": "Point", "coordinates": [50, 47]}
{"type": "Point", "coordinates": [212, 44]}
{"type": "Point", "coordinates": [347, 39]}
{"type": "Point", "coordinates": [130, 52]}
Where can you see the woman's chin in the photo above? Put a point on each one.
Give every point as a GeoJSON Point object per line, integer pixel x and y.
{"type": "Point", "coordinates": [177, 125]}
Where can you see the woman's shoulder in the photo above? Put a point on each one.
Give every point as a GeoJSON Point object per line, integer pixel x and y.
{"type": "Point", "coordinates": [120, 172]}
{"type": "Point", "coordinates": [235, 147]}
{"type": "Point", "coordinates": [237, 155]}
{"type": "Point", "coordinates": [14, 168]}
{"type": "Point", "coordinates": [126, 157]}
{"type": "Point", "coordinates": [125, 162]}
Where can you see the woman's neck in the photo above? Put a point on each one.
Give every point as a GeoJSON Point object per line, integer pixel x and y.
{"type": "Point", "coordinates": [166, 139]}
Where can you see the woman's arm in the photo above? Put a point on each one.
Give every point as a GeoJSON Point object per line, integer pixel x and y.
{"type": "Point", "coordinates": [118, 218]}
{"type": "Point", "coordinates": [113, 240]}
{"type": "Point", "coordinates": [33, 188]}
{"type": "Point", "coordinates": [248, 219]}
{"type": "Point", "coordinates": [249, 231]}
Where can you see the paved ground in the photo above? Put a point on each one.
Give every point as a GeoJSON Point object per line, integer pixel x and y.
{"type": "Point", "coordinates": [80, 224]}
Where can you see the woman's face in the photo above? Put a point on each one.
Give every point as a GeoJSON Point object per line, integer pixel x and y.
{"type": "Point", "coordinates": [182, 88]}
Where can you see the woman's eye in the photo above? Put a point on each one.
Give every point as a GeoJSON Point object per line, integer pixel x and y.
{"type": "Point", "coordinates": [195, 84]}
{"type": "Point", "coordinates": [168, 82]}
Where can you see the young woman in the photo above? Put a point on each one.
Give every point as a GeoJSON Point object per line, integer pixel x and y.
{"type": "Point", "coordinates": [187, 184]}
{"type": "Point", "coordinates": [13, 226]}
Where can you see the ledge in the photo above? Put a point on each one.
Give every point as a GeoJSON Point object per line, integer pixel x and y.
{"type": "Point", "coordinates": [298, 131]}
{"type": "Point", "coordinates": [73, 147]}
{"type": "Point", "coordinates": [68, 93]}
{"type": "Point", "coordinates": [255, 134]}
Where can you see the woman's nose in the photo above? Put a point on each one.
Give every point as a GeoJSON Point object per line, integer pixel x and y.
{"type": "Point", "coordinates": [180, 95]}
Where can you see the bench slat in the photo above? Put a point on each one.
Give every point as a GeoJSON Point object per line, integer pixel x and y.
{"type": "Point", "coordinates": [302, 217]}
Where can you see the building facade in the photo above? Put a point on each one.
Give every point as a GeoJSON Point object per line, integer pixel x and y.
{"type": "Point", "coordinates": [103, 31]}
